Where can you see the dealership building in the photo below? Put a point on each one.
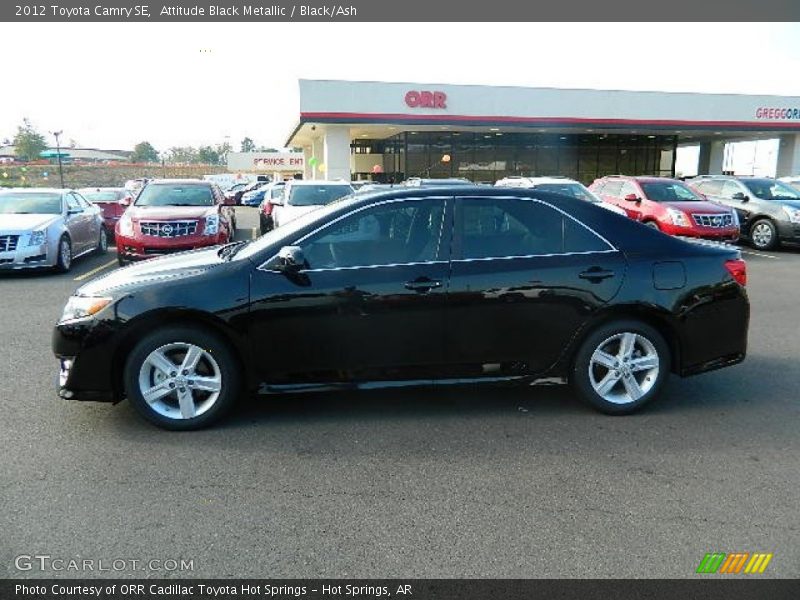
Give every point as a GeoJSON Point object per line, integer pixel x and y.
{"type": "Point", "coordinates": [393, 131]}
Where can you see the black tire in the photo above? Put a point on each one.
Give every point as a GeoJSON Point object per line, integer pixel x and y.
{"type": "Point", "coordinates": [652, 225]}
{"type": "Point", "coordinates": [211, 344]}
{"type": "Point", "coordinates": [604, 337]}
{"type": "Point", "coordinates": [102, 241]}
{"type": "Point", "coordinates": [122, 262]}
{"type": "Point", "coordinates": [764, 235]}
{"type": "Point", "coordinates": [64, 258]}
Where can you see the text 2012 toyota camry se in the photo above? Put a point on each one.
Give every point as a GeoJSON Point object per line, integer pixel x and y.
{"type": "Point", "coordinates": [420, 286]}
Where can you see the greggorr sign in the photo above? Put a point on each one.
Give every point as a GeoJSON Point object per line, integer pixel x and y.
{"type": "Point", "coordinates": [425, 99]}
{"type": "Point", "coordinates": [266, 161]}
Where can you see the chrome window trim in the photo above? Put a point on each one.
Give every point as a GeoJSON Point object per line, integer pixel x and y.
{"type": "Point", "coordinates": [466, 260]}
{"type": "Point", "coordinates": [408, 264]}
{"type": "Point", "coordinates": [612, 247]}
{"type": "Point", "coordinates": [262, 266]}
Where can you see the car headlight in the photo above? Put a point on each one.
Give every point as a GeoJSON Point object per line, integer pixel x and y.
{"type": "Point", "coordinates": [82, 307]}
{"type": "Point", "coordinates": [212, 225]}
{"type": "Point", "coordinates": [678, 217]}
{"type": "Point", "coordinates": [37, 237]}
{"type": "Point", "coordinates": [792, 213]}
{"type": "Point", "coordinates": [125, 226]}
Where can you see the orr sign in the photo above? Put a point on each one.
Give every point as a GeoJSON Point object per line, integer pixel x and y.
{"type": "Point", "coordinates": [426, 99]}
{"type": "Point", "coordinates": [293, 162]}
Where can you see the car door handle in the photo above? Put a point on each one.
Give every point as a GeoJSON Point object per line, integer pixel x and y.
{"type": "Point", "coordinates": [596, 274]}
{"type": "Point", "coordinates": [422, 284]}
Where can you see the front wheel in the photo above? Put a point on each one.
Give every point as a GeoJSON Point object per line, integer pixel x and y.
{"type": "Point", "coordinates": [64, 258]}
{"type": "Point", "coordinates": [764, 235]}
{"type": "Point", "coordinates": [102, 241]}
{"type": "Point", "coordinates": [181, 378]}
{"type": "Point", "coordinates": [621, 366]}
{"type": "Point", "coordinates": [652, 225]}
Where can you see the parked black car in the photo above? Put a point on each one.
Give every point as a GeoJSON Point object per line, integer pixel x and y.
{"type": "Point", "coordinates": [419, 286]}
{"type": "Point", "coordinates": [768, 209]}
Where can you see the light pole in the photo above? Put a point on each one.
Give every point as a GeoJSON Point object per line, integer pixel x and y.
{"type": "Point", "coordinates": [58, 154]}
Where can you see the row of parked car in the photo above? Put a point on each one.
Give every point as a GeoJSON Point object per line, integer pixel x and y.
{"type": "Point", "coordinates": [51, 227]}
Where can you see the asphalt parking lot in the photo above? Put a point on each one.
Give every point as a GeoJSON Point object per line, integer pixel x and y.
{"type": "Point", "coordinates": [457, 483]}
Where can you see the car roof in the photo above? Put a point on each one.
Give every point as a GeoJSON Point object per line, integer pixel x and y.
{"type": "Point", "coordinates": [186, 181]}
{"type": "Point", "coordinates": [318, 182]}
{"type": "Point", "coordinates": [544, 179]}
{"type": "Point", "coordinates": [103, 188]}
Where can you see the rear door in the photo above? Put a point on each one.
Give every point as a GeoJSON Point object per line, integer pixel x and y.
{"type": "Point", "coordinates": [525, 277]}
{"type": "Point", "coordinates": [78, 224]}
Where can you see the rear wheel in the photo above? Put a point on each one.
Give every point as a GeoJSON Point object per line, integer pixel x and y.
{"type": "Point", "coordinates": [621, 366]}
{"type": "Point", "coordinates": [652, 225]}
{"type": "Point", "coordinates": [764, 235]}
{"type": "Point", "coordinates": [181, 378]}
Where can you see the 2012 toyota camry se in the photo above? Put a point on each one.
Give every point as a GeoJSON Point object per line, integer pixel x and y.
{"type": "Point", "coordinates": [425, 286]}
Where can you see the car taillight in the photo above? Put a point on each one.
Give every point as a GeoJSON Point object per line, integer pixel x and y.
{"type": "Point", "coordinates": [738, 270]}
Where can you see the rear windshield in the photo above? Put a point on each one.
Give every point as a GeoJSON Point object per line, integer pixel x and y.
{"type": "Point", "coordinates": [179, 194]}
{"type": "Point", "coordinates": [21, 203]}
{"type": "Point", "coordinates": [769, 189]}
{"type": "Point", "coordinates": [101, 196]}
{"type": "Point", "coordinates": [668, 191]}
{"type": "Point", "coordinates": [317, 195]}
{"type": "Point", "coordinates": [575, 190]}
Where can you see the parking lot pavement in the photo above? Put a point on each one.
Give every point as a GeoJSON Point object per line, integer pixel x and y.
{"type": "Point", "coordinates": [475, 482]}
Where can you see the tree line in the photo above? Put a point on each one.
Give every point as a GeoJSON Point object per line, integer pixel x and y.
{"type": "Point", "coordinates": [30, 143]}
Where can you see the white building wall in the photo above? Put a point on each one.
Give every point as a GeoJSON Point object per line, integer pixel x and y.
{"type": "Point", "coordinates": [788, 156]}
{"type": "Point", "coordinates": [337, 152]}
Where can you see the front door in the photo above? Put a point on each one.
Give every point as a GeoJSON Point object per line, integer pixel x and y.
{"type": "Point", "coordinates": [369, 306]}
{"type": "Point", "coordinates": [525, 278]}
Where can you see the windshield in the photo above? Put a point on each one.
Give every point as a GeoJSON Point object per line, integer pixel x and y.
{"type": "Point", "coordinates": [769, 189]}
{"type": "Point", "coordinates": [576, 190]}
{"type": "Point", "coordinates": [178, 194]}
{"type": "Point", "coordinates": [288, 230]}
{"type": "Point", "coordinates": [21, 203]}
{"type": "Point", "coordinates": [101, 195]}
{"type": "Point", "coordinates": [668, 191]}
{"type": "Point", "coordinates": [317, 195]}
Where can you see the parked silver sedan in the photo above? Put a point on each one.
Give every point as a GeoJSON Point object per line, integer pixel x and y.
{"type": "Point", "coordinates": [43, 227]}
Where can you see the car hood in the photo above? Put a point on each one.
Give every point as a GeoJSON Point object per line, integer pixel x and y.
{"type": "Point", "coordinates": [11, 222]}
{"type": "Point", "coordinates": [700, 207]}
{"type": "Point", "coordinates": [168, 213]}
{"type": "Point", "coordinates": [154, 271]}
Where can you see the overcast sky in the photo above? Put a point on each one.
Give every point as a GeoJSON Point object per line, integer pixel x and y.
{"type": "Point", "coordinates": [113, 85]}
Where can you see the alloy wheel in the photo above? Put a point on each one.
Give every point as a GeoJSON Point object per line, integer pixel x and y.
{"type": "Point", "coordinates": [65, 253]}
{"type": "Point", "coordinates": [180, 380]}
{"type": "Point", "coordinates": [762, 235]}
{"type": "Point", "coordinates": [624, 367]}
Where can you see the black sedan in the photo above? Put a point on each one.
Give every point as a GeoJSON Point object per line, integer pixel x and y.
{"type": "Point", "coordinates": [457, 285]}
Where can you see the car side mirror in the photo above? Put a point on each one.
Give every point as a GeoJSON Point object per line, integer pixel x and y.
{"type": "Point", "coordinates": [291, 259]}
{"type": "Point", "coordinates": [740, 196]}
{"type": "Point", "coordinates": [74, 211]}
{"type": "Point", "coordinates": [126, 201]}
{"type": "Point", "coordinates": [632, 198]}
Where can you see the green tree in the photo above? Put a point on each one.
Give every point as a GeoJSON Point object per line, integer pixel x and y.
{"type": "Point", "coordinates": [222, 152]}
{"type": "Point", "coordinates": [29, 143]}
{"type": "Point", "coordinates": [207, 155]}
{"type": "Point", "coordinates": [143, 152]}
{"type": "Point", "coordinates": [248, 145]}
{"type": "Point", "coordinates": [182, 154]}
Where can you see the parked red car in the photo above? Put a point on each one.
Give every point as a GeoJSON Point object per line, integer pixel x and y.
{"type": "Point", "coordinates": [669, 205]}
{"type": "Point", "coordinates": [112, 201]}
{"type": "Point", "coordinates": [174, 215]}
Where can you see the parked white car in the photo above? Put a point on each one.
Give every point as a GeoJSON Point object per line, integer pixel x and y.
{"type": "Point", "coordinates": [559, 185]}
{"type": "Point", "coordinates": [43, 227]}
{"type": "Point", "coordinates": [303, 196]}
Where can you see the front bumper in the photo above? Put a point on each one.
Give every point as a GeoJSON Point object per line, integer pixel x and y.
{"type": "Point", "coordinates": [84, 356]}
{"type": "Point", "coordinates": [789, 232]}
{"type": "Point", "coordinates": [27, 257]}
{"type": "Point", "coordinates": [140, 248]}
{"type": "Point", "coordinates": [726, 234]}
